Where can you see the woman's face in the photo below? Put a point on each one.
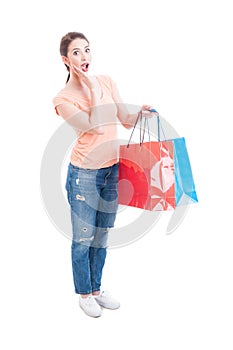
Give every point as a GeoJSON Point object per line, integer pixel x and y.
{"type": "Point", "coordinates": [78, 54]}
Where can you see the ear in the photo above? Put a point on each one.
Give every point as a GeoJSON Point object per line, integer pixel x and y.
{"type": "Point", "coordinates": [65, 60]}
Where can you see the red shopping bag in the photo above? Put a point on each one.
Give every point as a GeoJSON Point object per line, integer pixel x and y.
{"type": "Point", "coordinates": [146, 174]}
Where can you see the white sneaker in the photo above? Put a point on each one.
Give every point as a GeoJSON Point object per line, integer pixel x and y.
{"type": "Point", "coordinates": [90, 306]}
{"type": "Point", "coordinates": [106, 300]}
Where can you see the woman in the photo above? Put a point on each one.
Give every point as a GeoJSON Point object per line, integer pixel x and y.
{"type": "Point", "coordinates": [91, 105]}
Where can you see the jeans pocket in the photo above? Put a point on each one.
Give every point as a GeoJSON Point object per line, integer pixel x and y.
{"type": "Point", "coordinates": [67, 185]}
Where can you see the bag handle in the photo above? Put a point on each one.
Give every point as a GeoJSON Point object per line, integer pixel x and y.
{"type": "Point", "coordinates": [133, 129]}
{"type": "Point", "coordinates": [159, 126]}
{"type": "Point", "coordinates": [145, 126]}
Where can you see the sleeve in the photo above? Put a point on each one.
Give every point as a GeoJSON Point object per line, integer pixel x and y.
{"type": "Point", "coordinates": [58, 100]}
{"type": "Point", "coordinates": [114, 91]}
{"type": "Point", "coordinates": [111, 84]}
{"type": "Point", "coordinates": [126, 117]}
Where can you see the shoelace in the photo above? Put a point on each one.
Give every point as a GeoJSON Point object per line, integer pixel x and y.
{"type": "Point", "coordinates": [104, 294]}
{"type": "Point", "coordinates": [89, 300]}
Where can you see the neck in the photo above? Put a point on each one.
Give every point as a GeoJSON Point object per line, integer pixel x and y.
{"type": "Point", "coordinates": [75, 81]}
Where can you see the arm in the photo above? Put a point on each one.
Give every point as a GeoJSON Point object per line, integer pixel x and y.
{"type": "Point", "coordinates": [127, 119]}
{"type": "Point", "coordinates": [80, 120]}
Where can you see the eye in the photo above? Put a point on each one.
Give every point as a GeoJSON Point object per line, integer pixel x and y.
{"type": "Point", "coordinates": [88, 50]}
{"type": "Point", "coordinates": [76, 52]}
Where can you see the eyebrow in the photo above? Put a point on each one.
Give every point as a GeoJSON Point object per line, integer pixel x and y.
{"type": "Point", "coordinates": [77, 48]}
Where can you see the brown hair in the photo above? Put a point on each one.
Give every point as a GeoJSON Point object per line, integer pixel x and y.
{"type": "Point", "coordinates": [65, 42]}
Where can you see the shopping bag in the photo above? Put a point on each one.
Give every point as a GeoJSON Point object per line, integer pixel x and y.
{"type": "Point", "coordinates": [184, 183]}
{"type": "Point", "coordinates": [155, 175]}
{"type": "Point", "coordinates": [146, 176]}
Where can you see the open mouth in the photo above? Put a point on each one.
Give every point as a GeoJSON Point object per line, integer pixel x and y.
{"type": "Point", "coordinates": [85, 67]}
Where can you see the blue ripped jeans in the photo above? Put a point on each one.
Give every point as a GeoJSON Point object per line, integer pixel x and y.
{"type": "Point", "coordinates": [93, 199]}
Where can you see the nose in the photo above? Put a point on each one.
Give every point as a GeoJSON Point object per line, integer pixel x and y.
{"type": "Point", "coordinates": [83, 56]}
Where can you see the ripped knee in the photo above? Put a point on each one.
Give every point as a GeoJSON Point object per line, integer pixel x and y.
{"type": "Point", "coordinates": [80, 198]}
{"type": "Point", "coordinates": [85, 239]}
{"type": "Point", "coordinates": [85, 236]}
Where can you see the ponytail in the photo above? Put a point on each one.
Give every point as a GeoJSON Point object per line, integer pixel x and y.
{"type": "Point", "coordinates": [68, 78]}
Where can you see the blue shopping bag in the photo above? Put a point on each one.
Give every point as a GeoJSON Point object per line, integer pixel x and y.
{"type": "Point", "coordinates": [185, 192]}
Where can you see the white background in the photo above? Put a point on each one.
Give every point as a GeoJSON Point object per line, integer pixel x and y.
{"type": "Point", "coordinates": [175, 290]}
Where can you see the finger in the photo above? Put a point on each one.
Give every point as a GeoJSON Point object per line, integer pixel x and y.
{"type": "Point", "coordinates": [74, 67]}
{"type": "Point", "coordinates": [147, 113]}
{"type": "Point", "coordinates": [146, 107]}
{"type": "Point", "coordinates": [77, 70]}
